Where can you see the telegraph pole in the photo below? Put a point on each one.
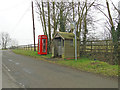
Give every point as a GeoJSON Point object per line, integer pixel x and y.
{"type": "Point", "coordinates": [75, 41]}
{"type": "Point", "coordinates": [73, 26]}
{"type": "Point", "coordinates": [33, 26]}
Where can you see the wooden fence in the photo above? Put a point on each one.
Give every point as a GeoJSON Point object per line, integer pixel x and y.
{"type": "Point", "coordinates": [28, 47]}
{"type": "Point", "coordinates": [99, 49]}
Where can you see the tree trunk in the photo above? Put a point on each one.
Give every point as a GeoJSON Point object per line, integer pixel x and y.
{"type": "Point", "coordinates": [114, 35]}
{"type": "Point", "coordinates": [41, 17]}
{"type": "Point", "coordinates": [85, 29]}
{"type": "Point", "coordinates": [54, 18]}
{"type": "Point", "coordinates": [49, 27]}
{"type": "Point", "coordinates": [110, 17]}
{"type": "Point", "coordinates": [73, 10]}
{"type": "Point", "coordinates": [62, 26]}
{"type": "Point", "coordinates": [44, 18]}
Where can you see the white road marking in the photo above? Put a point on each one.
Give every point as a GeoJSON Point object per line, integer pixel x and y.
{"type": "Point", "coordinates": [7, 68]}
{"type": "Point", "coordinates": [11, 77]}
{"type": "Point", "coordinates": [26, 70]}
{"type": "Point", "coordinates": [10, 60]}
{"type": "Point", "coordinates": [17, 63]}
{"type": "Point", "coordinates": [20, 83]}
{"type": "Point", "coordinates": [13, 61]}
{"type": "Point", "coordinates": [23, 85]}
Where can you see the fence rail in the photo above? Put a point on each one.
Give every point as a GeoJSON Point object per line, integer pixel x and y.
{"type": "Point", "coordinates": [28, 47]}
{"type": "Point", "coordinates": [100, 49]}
{"type": "Point", "coordinates": [97, 46]}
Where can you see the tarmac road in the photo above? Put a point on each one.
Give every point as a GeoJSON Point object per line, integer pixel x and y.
{"type": "Point", "coordinates": [7, 81]}
{"type": "Point", "coordinates": [32, 73]}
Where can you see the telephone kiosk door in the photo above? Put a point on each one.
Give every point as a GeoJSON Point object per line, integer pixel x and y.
{"type": "Point", "coordinates": [42, 44]}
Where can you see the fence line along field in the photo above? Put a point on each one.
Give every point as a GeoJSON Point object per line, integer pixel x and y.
{"type": "Point", "coordinates": [98, 49]}
{"type": "Point", "coordinates": [28, 47]}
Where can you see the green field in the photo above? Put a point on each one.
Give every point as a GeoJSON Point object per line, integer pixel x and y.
{"type": "Point", "coordinates": [82, 64]}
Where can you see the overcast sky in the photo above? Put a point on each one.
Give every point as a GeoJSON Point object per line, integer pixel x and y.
{"type": "Point", "coordinates": [16, 19]}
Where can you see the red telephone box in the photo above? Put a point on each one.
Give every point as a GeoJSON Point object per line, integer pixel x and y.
{"type": "Point", "coordinates": [42, 44]}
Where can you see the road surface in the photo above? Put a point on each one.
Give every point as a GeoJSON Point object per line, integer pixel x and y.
{"type": "Point", "coordinates": [29, 72]}
{"type": "Point", "coordinates": [8, 81]}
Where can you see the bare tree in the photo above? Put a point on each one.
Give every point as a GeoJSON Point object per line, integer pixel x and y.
{"type": "Point", "coordinates": [110, 25]}
{"type": "Point", "coordinates": [54, 18]}
{"type": "Point", "coordinates": [49, 25]}
{"type": "Point", "coordinates": [54, 14]}
{"type": "Point", "coordinates": [41, 13]}
{"type": "Point", "coordinates": [13, 42]}
{"type": "Point", "coordinates": [5, 39]}
{"type": "Point", "coordinates": [110, 20]}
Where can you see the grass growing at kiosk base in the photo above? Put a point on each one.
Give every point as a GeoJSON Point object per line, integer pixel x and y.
{"type": "Point", "coordinates": [83, 64]}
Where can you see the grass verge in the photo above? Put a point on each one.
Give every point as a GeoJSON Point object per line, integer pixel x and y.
{"type": "Point", "coordinates": [83, 64]}
{"type": "Point", "coordinates": [30, 53]}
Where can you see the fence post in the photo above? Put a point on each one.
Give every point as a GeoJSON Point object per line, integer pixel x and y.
{"type": "Point", "coordinates": [81, 48]}
{"type": "Point", "coordinates": [31, 47]}
{"type": "Point", "coordinates": [106, 46]}
{"type": "Point", "coordinates": [36, 47]}
{"type": "Point", "coordinates": [91, 46]}
{"type": "Point", "coordinates": [106, 52]}
{"type": "Point", "coordinates": [26, 47]}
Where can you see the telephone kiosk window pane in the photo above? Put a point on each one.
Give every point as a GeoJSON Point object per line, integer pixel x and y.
{"type": "Point", "coordinates": [44, 45]}
{"type": "Point", "coordinates": [39, 45]}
